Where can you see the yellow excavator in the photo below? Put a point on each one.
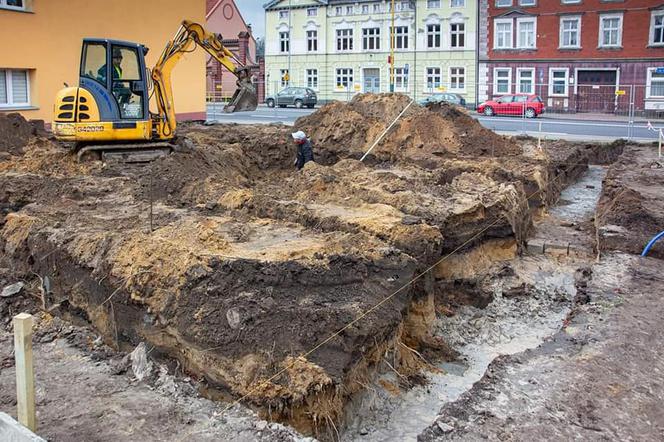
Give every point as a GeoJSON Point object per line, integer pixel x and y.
{"type": "Point", "coordinates": [108, 114]}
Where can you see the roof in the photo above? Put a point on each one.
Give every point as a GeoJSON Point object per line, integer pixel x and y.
{"type": "Point", "coordinates": [271, 4]}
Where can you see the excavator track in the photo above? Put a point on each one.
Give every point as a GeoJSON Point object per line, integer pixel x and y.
{"type": "Point", "coordinates": [126, 153]}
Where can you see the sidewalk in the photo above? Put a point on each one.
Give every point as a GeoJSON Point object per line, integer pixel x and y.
{"type": "Point", "coordinates": [599, 117]}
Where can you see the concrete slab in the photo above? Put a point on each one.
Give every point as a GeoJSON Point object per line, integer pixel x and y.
{"type": "Point", "coordinates": [12, 431]}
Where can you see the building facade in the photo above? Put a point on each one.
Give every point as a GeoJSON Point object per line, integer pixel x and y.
{"type": "Point", "coordinates": [223, 17]}
{"type": "Point", "coordinates": [46, 52]}
{"type": "Point", "coordinates": [602, 56]}
{"type": "Point", "coordinates": [340, 48]}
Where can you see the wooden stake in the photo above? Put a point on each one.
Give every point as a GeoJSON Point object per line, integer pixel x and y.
{"type": "Point", "coordinates": [25, 374]}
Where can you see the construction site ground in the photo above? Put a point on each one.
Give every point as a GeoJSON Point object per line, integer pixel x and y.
{"type": "Point", "coordinates": [219, 294]}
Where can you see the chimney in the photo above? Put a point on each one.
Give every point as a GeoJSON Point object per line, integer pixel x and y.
{"type": "Point", "coordinates": [243, 46]}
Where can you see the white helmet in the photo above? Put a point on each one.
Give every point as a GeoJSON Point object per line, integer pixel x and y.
{"type": "Point", "coordinates": [299, 135]}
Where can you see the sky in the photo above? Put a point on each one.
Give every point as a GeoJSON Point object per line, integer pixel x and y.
{"type": "Point", "coordinates": [253, 13]}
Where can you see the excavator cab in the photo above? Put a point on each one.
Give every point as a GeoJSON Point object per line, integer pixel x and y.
{"type": "Point", "coordinates": [112, 101]}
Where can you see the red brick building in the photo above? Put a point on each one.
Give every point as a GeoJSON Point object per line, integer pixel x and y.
{"type": "Point", "coordinates": [223, 17]}
{"type": "Point", "coordinates": [578, 55]}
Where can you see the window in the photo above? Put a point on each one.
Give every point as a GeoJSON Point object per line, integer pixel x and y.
{"type": "Point", "coordinates": [457, 3]}
{"type": "Point", "coordinates": [371, 39]}
{"type": "Point", "coordinates": [401, 79]}
{"type": "Point", "coordinates": [338, 10]}
{"type": "Point", "coordinates": [283, 14]}
{"type": "Point", "coordinates": [655, 85]}
{"type": "Point", "coordinates": [433, 36]}
{"type": "Point", "coordinates": [527, 2]}
{"type": "Point", "coordinates": [458, 35]}
{"type": "Point", "coordinates": [570, 2]}
{"type": "Point", "coordinates": [610, 31]}
{"type": "Point", "coordinates": [13, 4]}
{"type": "Point", "coordinates": [14, 88]}
{"type": "Point", "coordinates": [657, 28]}
{"type": "Point", "coordinates": [344, 78]}
{"type": "Point", "coordinates": [502, 34]}
{"type": "Point", "coordinates": [433, 4]}
{"type": "Point", "coordinates": [349, 10]}
{"type": "Point", "coordinates": [502, 80]}
{"type": "Point", "coordinates": [503, 3]}
{"type": "Point", "coordinates": [526, 80]}
{"type": "Point", "coordinates": [284, 41]}
{"type": "Point", "coordinates": [401, 37]}
{"type": "Point", "coordinates": [458, 79]}
{"type": "Point", "coordinates": [558, 82]}
{"type": "Point", "coordinates": [94, 62]}
{"type": "Point", "coordinates": [285, 77]}
{"type": "Point", "coordinates": [312, 41]}
{"type": "Point", "coordinates": [344, 39]}
{"type": "Point", "coordinates": [376, 8]}
{"type": "Point", "coordinates": [570, 32]}
{"type": "Point", "coordinates": [526, 31]}
{"type": "Point", "coordinates": [404, 6]}
{"type": "Point", "coordinates": [434, 80]}
{"type": "Point", "coordinates": [312, 78]}
{"type": "Point", "coordinates": [365, 9]}
{"type": "Point", "coordinates": [312, 12]}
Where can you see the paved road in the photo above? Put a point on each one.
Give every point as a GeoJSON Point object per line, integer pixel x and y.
{"type": "Point", "coordinates": [548, 127]}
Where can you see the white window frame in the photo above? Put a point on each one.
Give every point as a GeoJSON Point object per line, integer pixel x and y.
{"type": "Point", "coordinates": [4, 5]}
{"type": "Point", "coordinates": [600, 42]}
{"type": "Point", "coordinates": [282, 74]}
{"type": "Point", "coordinates": [519, 23]}
{"type": "Point", "coordinates": [457, 3]}
{"type": "Point", "coordinates": [561, 36]}
{"type": "Point", "coordinates": [346, 34]}
{"type": "Point", "coordinates": [282, 14]}
{"type": "Point", "coordinates": [433, 4]}
{"type": "Point", "coordinates": [312, 39]}
{"type": "Point", "coordinates": [552, 79]}
{"type": "Point", "coordinates": [404, 35]}
{"type": "Point", "coordinates": [376, 8]}
{"type": "Point", "coordinates": [284, 48]}
{"type": "Point", "coordinates": [369, 35]}
{"type": "Point", "coordinates": [433, 89]}
{"type": "Point", "coordinates": [458, 34]}
{"type": "Point", "coordinates": [503, 3]}
{"type": "Point", "coordinates": [10, 92]}
{"type": "Point", "coordinates": [497, 22]}
{"type": "Point", "coordinates": [365, 9]}
{"type": "Point", "coordinates": [653, 15]}
{"type": "Point", "coordinates": [529, 3]}
{"type": "Point", "coordinates": [450, 76]}
{"type": "Point", "coordinates": [338, 10]}
{"type": "Point", "coordinates": [310, 10]}
{"type": "Point", "coordinates": [495, 81]}
{"type": "Point", "coordinates": [649, 85]}
{"type": "Point", "coordinates": [312, 79]}
{"type": "Point", "coordinates": [518, 80]}
{"type": "Point", "coordinates": [439, 32]}
{"type": "Point", "coordinates": [570, 2]}
{"type": "Point", "coordinates": [350, 10]}
{"type": "Point", "coordinates": [400, 76]}
{"type": "Point", "coordinates": [342, 73]}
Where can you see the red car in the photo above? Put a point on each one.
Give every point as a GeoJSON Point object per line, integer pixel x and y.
{"type": "Point", "coordinates": [518, 104]}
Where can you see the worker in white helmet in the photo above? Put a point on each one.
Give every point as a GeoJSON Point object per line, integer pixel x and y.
{"type": "Point", "coordinates": [305, 150]}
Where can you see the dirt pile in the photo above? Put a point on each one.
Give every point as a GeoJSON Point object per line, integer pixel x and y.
{"type": "Point", "coordinates": [250, 264]}
{"type": "Point", "coordinates": [631, 210]}
{"type": "Point", "coordinates": [421, 135]}
{"type": "Point", "coordinates": [15, 132]}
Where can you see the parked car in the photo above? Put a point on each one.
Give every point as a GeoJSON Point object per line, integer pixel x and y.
{"type": "Point", "coordinates": [444, 97]}
{"type": "Point", "coordinates": [293, 96]}
{"type": "Point", "coordinates": [529, 105]}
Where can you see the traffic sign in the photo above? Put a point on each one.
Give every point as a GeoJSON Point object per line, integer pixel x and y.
{"type": "Point", "coordinates": [620, 92]}
{"type": "Point", "coordinates": [659, 71]}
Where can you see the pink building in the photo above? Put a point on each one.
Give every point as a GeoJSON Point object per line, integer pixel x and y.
{"type": "Point", "coordinates": [223, 17]}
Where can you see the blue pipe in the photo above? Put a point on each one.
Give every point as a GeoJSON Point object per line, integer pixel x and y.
{"type": "Point", "coordinates": [652, 243]}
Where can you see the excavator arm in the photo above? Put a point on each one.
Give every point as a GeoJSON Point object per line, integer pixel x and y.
{"type": "Point", "coordinates": [186, 39]}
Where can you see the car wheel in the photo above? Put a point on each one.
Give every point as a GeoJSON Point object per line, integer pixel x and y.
{"type": "Point", "coordinates": [282, 105]}
{"type": "Point", "coordinates": [298, 104]}
{"type": "Point", "coordinates": [310, 106]}
{"type": "Point", "coordinates": [270, 103]}
{"type": "Point", "coordinates": [488, 111]}
{"type": "Point", "coordinates": [530, 113]}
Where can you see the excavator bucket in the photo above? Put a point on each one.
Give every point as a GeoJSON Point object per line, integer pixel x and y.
{"type": "Point", "coordinates": [244, 99]}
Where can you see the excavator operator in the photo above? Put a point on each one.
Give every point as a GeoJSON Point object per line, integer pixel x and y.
{"type": "Point", "coordinates": [119, 89]}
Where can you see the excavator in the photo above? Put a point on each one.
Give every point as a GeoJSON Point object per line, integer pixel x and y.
{"type": "Point", "coordinates": [108, 114]}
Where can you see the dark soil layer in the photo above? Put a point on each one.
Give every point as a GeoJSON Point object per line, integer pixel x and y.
{"type": "Point", "coordinates": [250, 264]}
{"type": "Point", "coordinates": [631, 210]}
